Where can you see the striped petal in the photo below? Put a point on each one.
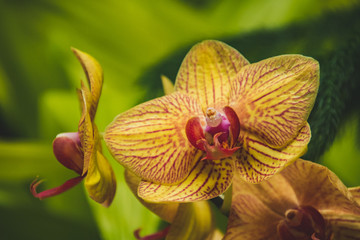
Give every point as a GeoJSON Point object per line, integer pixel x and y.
{"type": "Point", "coordinates": [256, 209]}
{"type": "Point", "coordinates": [256, 161]}
{"type": "Point", "coordinates": [343, 226]}
{"type": "Point", "coordinates": [251, 219]}
{"type": "Point", "coordinates": [94, 75]}
{"type": "Point", "coordinates": [324, 190]}
{"type": "Point", "coordinates": [208, 179]}
{"type": "Point", "coordinates": [207, 71]}
{"type": "Point", "coordinates": [273, 98]}
{"type": "Point", "coordinates": [150, 139]}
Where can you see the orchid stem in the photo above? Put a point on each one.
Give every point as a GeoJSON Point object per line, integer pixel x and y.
{"type": "Point", "coordinates": [225, 208]}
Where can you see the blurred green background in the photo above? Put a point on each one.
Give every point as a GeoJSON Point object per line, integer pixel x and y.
{"type": "Point", "coordinates": [135, 42]}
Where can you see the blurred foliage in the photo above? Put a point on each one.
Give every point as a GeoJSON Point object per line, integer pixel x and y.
{"type": "Point", "coordinates": [135, 42]}
{"type": "Point", "coordinates": [343, 156]}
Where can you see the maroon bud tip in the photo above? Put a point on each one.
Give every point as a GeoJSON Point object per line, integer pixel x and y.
{"type": "Point", "coordinates": [66, 147]}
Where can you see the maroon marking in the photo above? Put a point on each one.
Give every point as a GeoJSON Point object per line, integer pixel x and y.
{"type": "Point", "coordinates": [234, 124]}
{"type": "Point", "coordinates": [195, 132]}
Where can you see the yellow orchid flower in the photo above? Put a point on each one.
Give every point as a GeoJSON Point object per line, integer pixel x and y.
{"type": "Point", "coordinates": [191, 221]}
{"type": "Point", "coordinates": [305, 201]}
{"type": "Point", "coordinates": [81, 151]}
{"type": "Point", "coordinates": [225, 116]}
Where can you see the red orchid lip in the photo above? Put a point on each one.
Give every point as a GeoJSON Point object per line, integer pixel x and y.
{"type": "Point", "coordinates": [217, 140]}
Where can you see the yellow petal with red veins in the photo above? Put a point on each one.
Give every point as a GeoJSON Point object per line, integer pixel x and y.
{"type": "Point", "coordinates": [150, 139]}
{"type": "Point", "coordinates": [100, 181]}
{"type": "Point", "coordinates": [208, 179]}
{"type": "Point", "coordinates": [206, 73]}
{"type": "Point", "coordinates": [256, 161]}
{"type": "Point", "coordinates": [94, 75]}
{"type": "Point", "coordinates": [273, 98]}
{"type": "Point", "coordinates": [166, 211]}
{"type": "Point", "coordinates": [193, 221]}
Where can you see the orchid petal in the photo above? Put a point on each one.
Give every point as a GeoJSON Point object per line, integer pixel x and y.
{"type": "Point", "coordinates": [193, 221]}
{"type": "Point", "coordinates": [315, 185]}
{"type": "Point", "coordinates": [150, 138]}
{"type": "Point", "coordinates": [168, 86]}
{"type": "Point", "coordinates": [251, 219]}
{"type": "Point", "coordinates": [166, 211]}
{"type": "Point", "coordinates": [100, 180]}
{"type": "Point", "coordinates": [343, 226]}
{"type": "Point", "coordinates": [208, 179]}
{"type": "Point", "coordinates": [94, 75]}
{"type": "Point", "coordinates": [276, 193]}
{"type": "Point", "coordinates": [256, 161]}
{"type": "Point", "coordinates": [206, 73]}
{"type": "Point", "coordinates": [273, 98]}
